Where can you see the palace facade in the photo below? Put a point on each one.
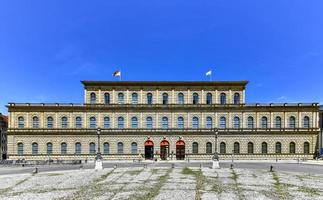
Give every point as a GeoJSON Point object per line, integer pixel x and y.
{"type": "Point", "coordinates": [162, 120]}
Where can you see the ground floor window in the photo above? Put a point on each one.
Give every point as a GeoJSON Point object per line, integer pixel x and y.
{"type": "Point", "coordinates": [78, 148]}
{"type": "Point", "coordinates": [250, 147]}
{"type": "Point", "coordinates": [120, 148]}
{"type": "Point", "coordinates": [222, 147]}
{"type": "Point", "coordinates": [134, 148]}
{"type": "Point", "coordinates": [306, 147]}
{"type": "Point", "coordinates": [106, 149]}
{"type": "Point", "coordinates": [209, 147]}
{"type": "Point", "coordinates": [195, 147]}
{"type": "Point", "coordinates": [49, 148]}
{"type": "Point", "coordinates": [236, 148]}
{"type": "Point", "coordinates": [20, 148]}
{"type": "Point", "coordinates": [63, 148]}
{"type": "Point", "coordinates": [264, 148]}
{"type": "Point", "coordinates": [34, 148]}
{"type": "Point", "coordinates": [92, 148]}
{"type": "Point", "coordinates": [278, 147]}
{"type": "Point", "coordinates": [292, 147]}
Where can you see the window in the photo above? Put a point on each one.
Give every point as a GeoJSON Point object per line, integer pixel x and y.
{"type": "Point", "coordinates": [34, 148]}
{"type": "Point", "coordinates": [21, 122]}
{"type": "Point", "coordinates": [63, 148]}
{"type": "Point", "coordinates": [278, 148]}
{"type": "Point", "coordinates": [223, 99]}
{"type": "Point", "coordinates": [306, 122]}
{"type": "Point", "coordinates": [106, 149]}
{"type": "Point", "coordinates": [278, 122]}
{"type": "Point", "coordinates": [236, 122]}
{"type": "Point", "coordinates": [164, 122]}
{"type": "Point", "coordinates": [250, 122]}
{"type": "Point", "coordinates": [236, 148]}
{"type": "Point", "coordinates": [292, 122]}
{"type": "Point", "coordinates": [120, 98]}
{"type": "Point", "coordinates": [134, 98]}
{"type": "Point", "coordinates": [208, 98]}
{"type": "Point", "coordinates": [209, 122]}
{"type": "Point", "coordinates": [106, 122]}
{"type": "Point", "coordinates": [149, 122]}
{"type": "Point", "coordinates": [20, 148]}
{"type": "Point", "coordinates": [35, 122]}
{"type": "Point", "coordinates": [264, 147]}
{"type": "Point", "coordinates": [292, 147]}
{"type": "Point", "coordinates": [195, 98]}
{"type": "Point", "coordinates": [149, 98]}
{"type": "Point", "coordinates": [78, 148]}
{"type": "Point", "coordinates": [134, 122]}
{"type": "Point", "coordinates": [120, 122]}
{"type": "Point", "coordinates": [209, 147]}
{"type": "Point", "coordinates": [223, 122]}
{"type": "Point", "coordinates": [92, 98]}
{"type": "Point", "coordinates": [120, 148]}
{"type": "Point", "coordinates": [92, 122]}
{"type": "Point", "coordinates": [106, 98]}
{"type": "Point", "coordinates": [264, 122]}
{"type": "Point", "coordinates": [92, 148]}
{"type": "Point", "coordinates": [180, 98]}
{"type": "Point", "coordinates": [250, 147]}
{"type": "Point", "coordinates": [180, 122]}
{"type": "Point", "coordinates": [165, 98]}
{"type": "Point", "coordinates": [306, 148]}
{"type": "Point", "coordinates": [134, 148]}
{"type": "Point", "coordinates": [195, 122]}
{"type": "Point", "coordinates": [236, 98]}
{"type": "Point", "coordinates": [223, 148]}
{"type": "Point", "coordinates": [64, 122]}
{"type": "Point", "coordinates": [49, 148]}
{"type": "Point", "coordinates": [78, 122]}
{"type": "Point", "coordinates": [195, 147]}
{"type": "Point", "coordinates": [50, 123]}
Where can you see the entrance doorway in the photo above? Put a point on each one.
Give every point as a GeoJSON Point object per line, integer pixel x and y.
{"type": "Point", "coordinates": [164, 149]}
{"type": "Point", "coordinates": [180, 150]}
{"type": "Point", "coordinates": [149, 150]}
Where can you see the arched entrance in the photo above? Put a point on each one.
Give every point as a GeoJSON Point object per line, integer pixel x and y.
{"type": "Point", "coordinates": [149, 149]}
{"type": "Point", "coordinates": [164, 149]}
{"type": "Point", "coordinates": [180, 150]}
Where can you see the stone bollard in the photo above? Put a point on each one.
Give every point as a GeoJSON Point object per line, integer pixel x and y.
{"type": "Point", "coordinates": [173, 165]}
{"type": "Point", "coordinates": [115, 166]}
{"type": "Point", "coordinates": [200, 165]}
{"type": "Point", "coordinates": [145, 165]}
{"type": "Point", "coordinates": [231, 166]}
{"type": "Point", "coordinates": [35, 170]}
{"type": "Point", "coordinates": [81, 166]}
{"type": "Point", "coordinates": [271, 168]}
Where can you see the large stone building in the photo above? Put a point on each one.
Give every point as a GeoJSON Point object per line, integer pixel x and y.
{"type": "Point", "coordinates": [3, 136]}
{"type": "Point", "coordinates": [163, 120]}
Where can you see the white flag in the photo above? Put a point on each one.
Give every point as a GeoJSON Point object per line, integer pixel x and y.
{"type": "Point", "coordinates": [209, 73]}
{"type": "Point", "coordinates": [116, 73]}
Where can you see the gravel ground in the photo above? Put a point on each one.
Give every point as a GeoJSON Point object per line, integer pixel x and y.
{"type": "Point", "coordinates": [162, 183]}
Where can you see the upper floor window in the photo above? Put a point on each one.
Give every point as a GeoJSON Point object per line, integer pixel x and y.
{"type": "Point", "coordinates": [180, 98]}
{"type": "Point", "coordinates": [50, 122]}
{"type": "Point", "coordinates": [107, 98]}
{"type": "Point", "coordinates": [149, 98]}
{"type": "Point", "coordinates": [92, 98]}
{"type": "Point", "coordinates": [120, 98]}
{"type": "Point", "coordinates": [180, 122]}
{"type": "Point", "coordinates": [223, 98]}
{"type": "Point", "coordinates": [208, 98]}
{"type": "Point", "coordinates": [35, 122]}
{"type": "Point", "coordinates": [236, 98]}
{"type": "Point", "coordinates": [165, 98]}
{"type": "Point", "coordinates": [195, 122]}
{"type": "Point", "coordinates": [250, 122]}
{"type": "Point", "coordinates": [49, 148]}
{"type": "Point", "coordinates": [223, 122]}
{"type": "Point", "coordinates": [149, 122]}
{"type": "Point", "coordinates": [264, 122]}
{"type": "Point", "coordinates": [64, 122]}
{"type": "Point", "coordinates": [78, 122]}
{"type": "Point", "coordinates": [106, 122]}
{"type": "Point", "coordinates": [164, 122]}
{"type": "Point", "coordinates": [209, 122]}
{"type": "Point", "coordinates": [120, 122]}
{"type": "Point", "coordinates": [21, 122]}
{"type": "Point", "coordinates": [278, 122]}
{"type": "Point", "coordinates": [195, 98]}
{"type": "Point", "coordinates": [134, 122]}
{"type": "Point", "coordinates": [134, 97]}
{"type": "Point", "coordinates": [92, 122]}
{"type": "Point", "coordinates": [292, 122]}
{"type": "Point", "coordinates": [236, 122]}
{"type": "Point", "coordinates": [306, 122]}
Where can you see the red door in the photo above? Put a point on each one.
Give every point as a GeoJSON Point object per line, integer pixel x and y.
{"type": "Point", "coordinates": [180, 150]}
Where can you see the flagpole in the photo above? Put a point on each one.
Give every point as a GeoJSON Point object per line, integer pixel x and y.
{"type": "Point", "coordinates": [120, 74]}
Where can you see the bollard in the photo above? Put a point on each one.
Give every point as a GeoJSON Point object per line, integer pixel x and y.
{"type": "Point", "coordinates": [36, 170]}
{"type": "Point", "coordinates": [115, 166]}
{"type": "Point", "coordinates": [231, 166]}
{"type": "Point", "coordinates": [271, 168]}
{"type": "Point", "coordinates": [200, 165]}
{"type": "Point", "coordinates": [81, 166]}
{"type": "Point", "coordinates": [173, 165]}
{"type": "Point", "coordinates": [145, 165]}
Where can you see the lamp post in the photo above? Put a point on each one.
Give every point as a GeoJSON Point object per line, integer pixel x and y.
{"type": "Point", "coordinates": [98, 156]}
{"type": "Point", "coordinates": [216, 132]}
{"type": "Point", "coordinates": [215, 158]}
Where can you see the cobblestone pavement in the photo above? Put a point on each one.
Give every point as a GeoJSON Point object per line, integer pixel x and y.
{"type": "Point", "coordinates": [162, 183]}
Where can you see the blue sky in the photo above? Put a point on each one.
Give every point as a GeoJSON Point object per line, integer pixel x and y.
{"type": "Point", "coordinates": [48, 47]}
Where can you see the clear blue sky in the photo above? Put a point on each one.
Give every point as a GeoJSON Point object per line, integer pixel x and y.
{"type": "Point", "coordinates": [48, 47]}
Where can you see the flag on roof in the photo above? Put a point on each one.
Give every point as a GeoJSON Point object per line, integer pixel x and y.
{"type": "Point", "coordinates": [116, 73]}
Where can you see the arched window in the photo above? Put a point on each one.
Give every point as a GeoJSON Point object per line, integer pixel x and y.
{"type": "Point", "coordinates": [278, 148]}
{"type": "Point", "coordinates": [120, 122]}
{"type": "Point", "coordinates": [134, 122]}
{"type": "Point", "coordinates": [180, 98]}
{"type": "Point", "coordinates": [149, 98]}
{"type": "Point", "coordinates": [195, 122]}
{"type": "Point", "coordinates": [264, 122]}
{"type": "Point", "coordinates": [195, 98]}
{"type": "Point", "coordinates": [223, 122]}
{"type": "Point", "coordinates": [20, 148]}
{"type": "Point", "coordinates": [120, 98]}
{"type": "Point", "coordinates": [236, 98]}
{"type": "Point", "coordinates": [78, 148]}
{"type": "Point", "coordinates": [134, 98]}
{"type": "Point", "coordinates": [64, 122]}
{"type": "Point", "coordinates": [209, 122]}
{"type": "Point", "coordinates": [165, 98]}
{"type": "Point", "coordinates": [209, 98]}
{"type": "Point", "coordinates": [306, 122]}
{"type": "Point", "coordinates": [278, 122]}
{"type": "Point", "coordinates": [292, 122]}
{"type": "Point", "coordinates": [180, 122]}
{"type": "Point", "coordinates": [49, 148]}
{"type": "Point", "coordinates": [223, 99]}
{"type": "Point", "coordinates": [149, 122]}
{"type": "Point", "coordinates": [78, 122]}
{"type": "Point", "coordinates": [106, 98]}
{"type": "Point", "coordinates": [106, 148]}
{"type": "Point", "coordinates": [134, 148]}
{"type": "Point", "coordinates": [92, 122]}
{"type": "Point", "coordinates": [21, 122]}
{"type": "Point", "coordinates": [223, 148]}
{"type": "Point", "coordinates": [250, 122]}
{"type": "Point", "coordinates": [236, 148]}
{"type": "Point", "coordinates": [236, 122]}
{"type": "Point", "coordinates": [264, 148]}
{"type": "Point", "coordinates": [120, 148]}
{"type": "Point", "coordinates": [250, 147]}
{"type": "Point", "coordinates": [208, 147]}
{"type": "Point", "coordinates": [195, 147]}
{"type": "Point", "coordinates": [92, 98]}
{"type": "Point", "coordinates": [92, 148]}
{"type": "Point", "coordinates": [63, 148]}
{"type": "Point", "coordinates": [50, 122]}
{"type": "Point", "coordinates": [306, 147]}
{"type": "Point", "coordinates": [106, 122]}
{"type": "Point", "coordinates": [292, 147]}
{"type": "Point", "coordinates": [34, 148]}
{"type": "Point", "coordinates": [164, 122]}
{"type": "Point", "coordinates": [35, 122]}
